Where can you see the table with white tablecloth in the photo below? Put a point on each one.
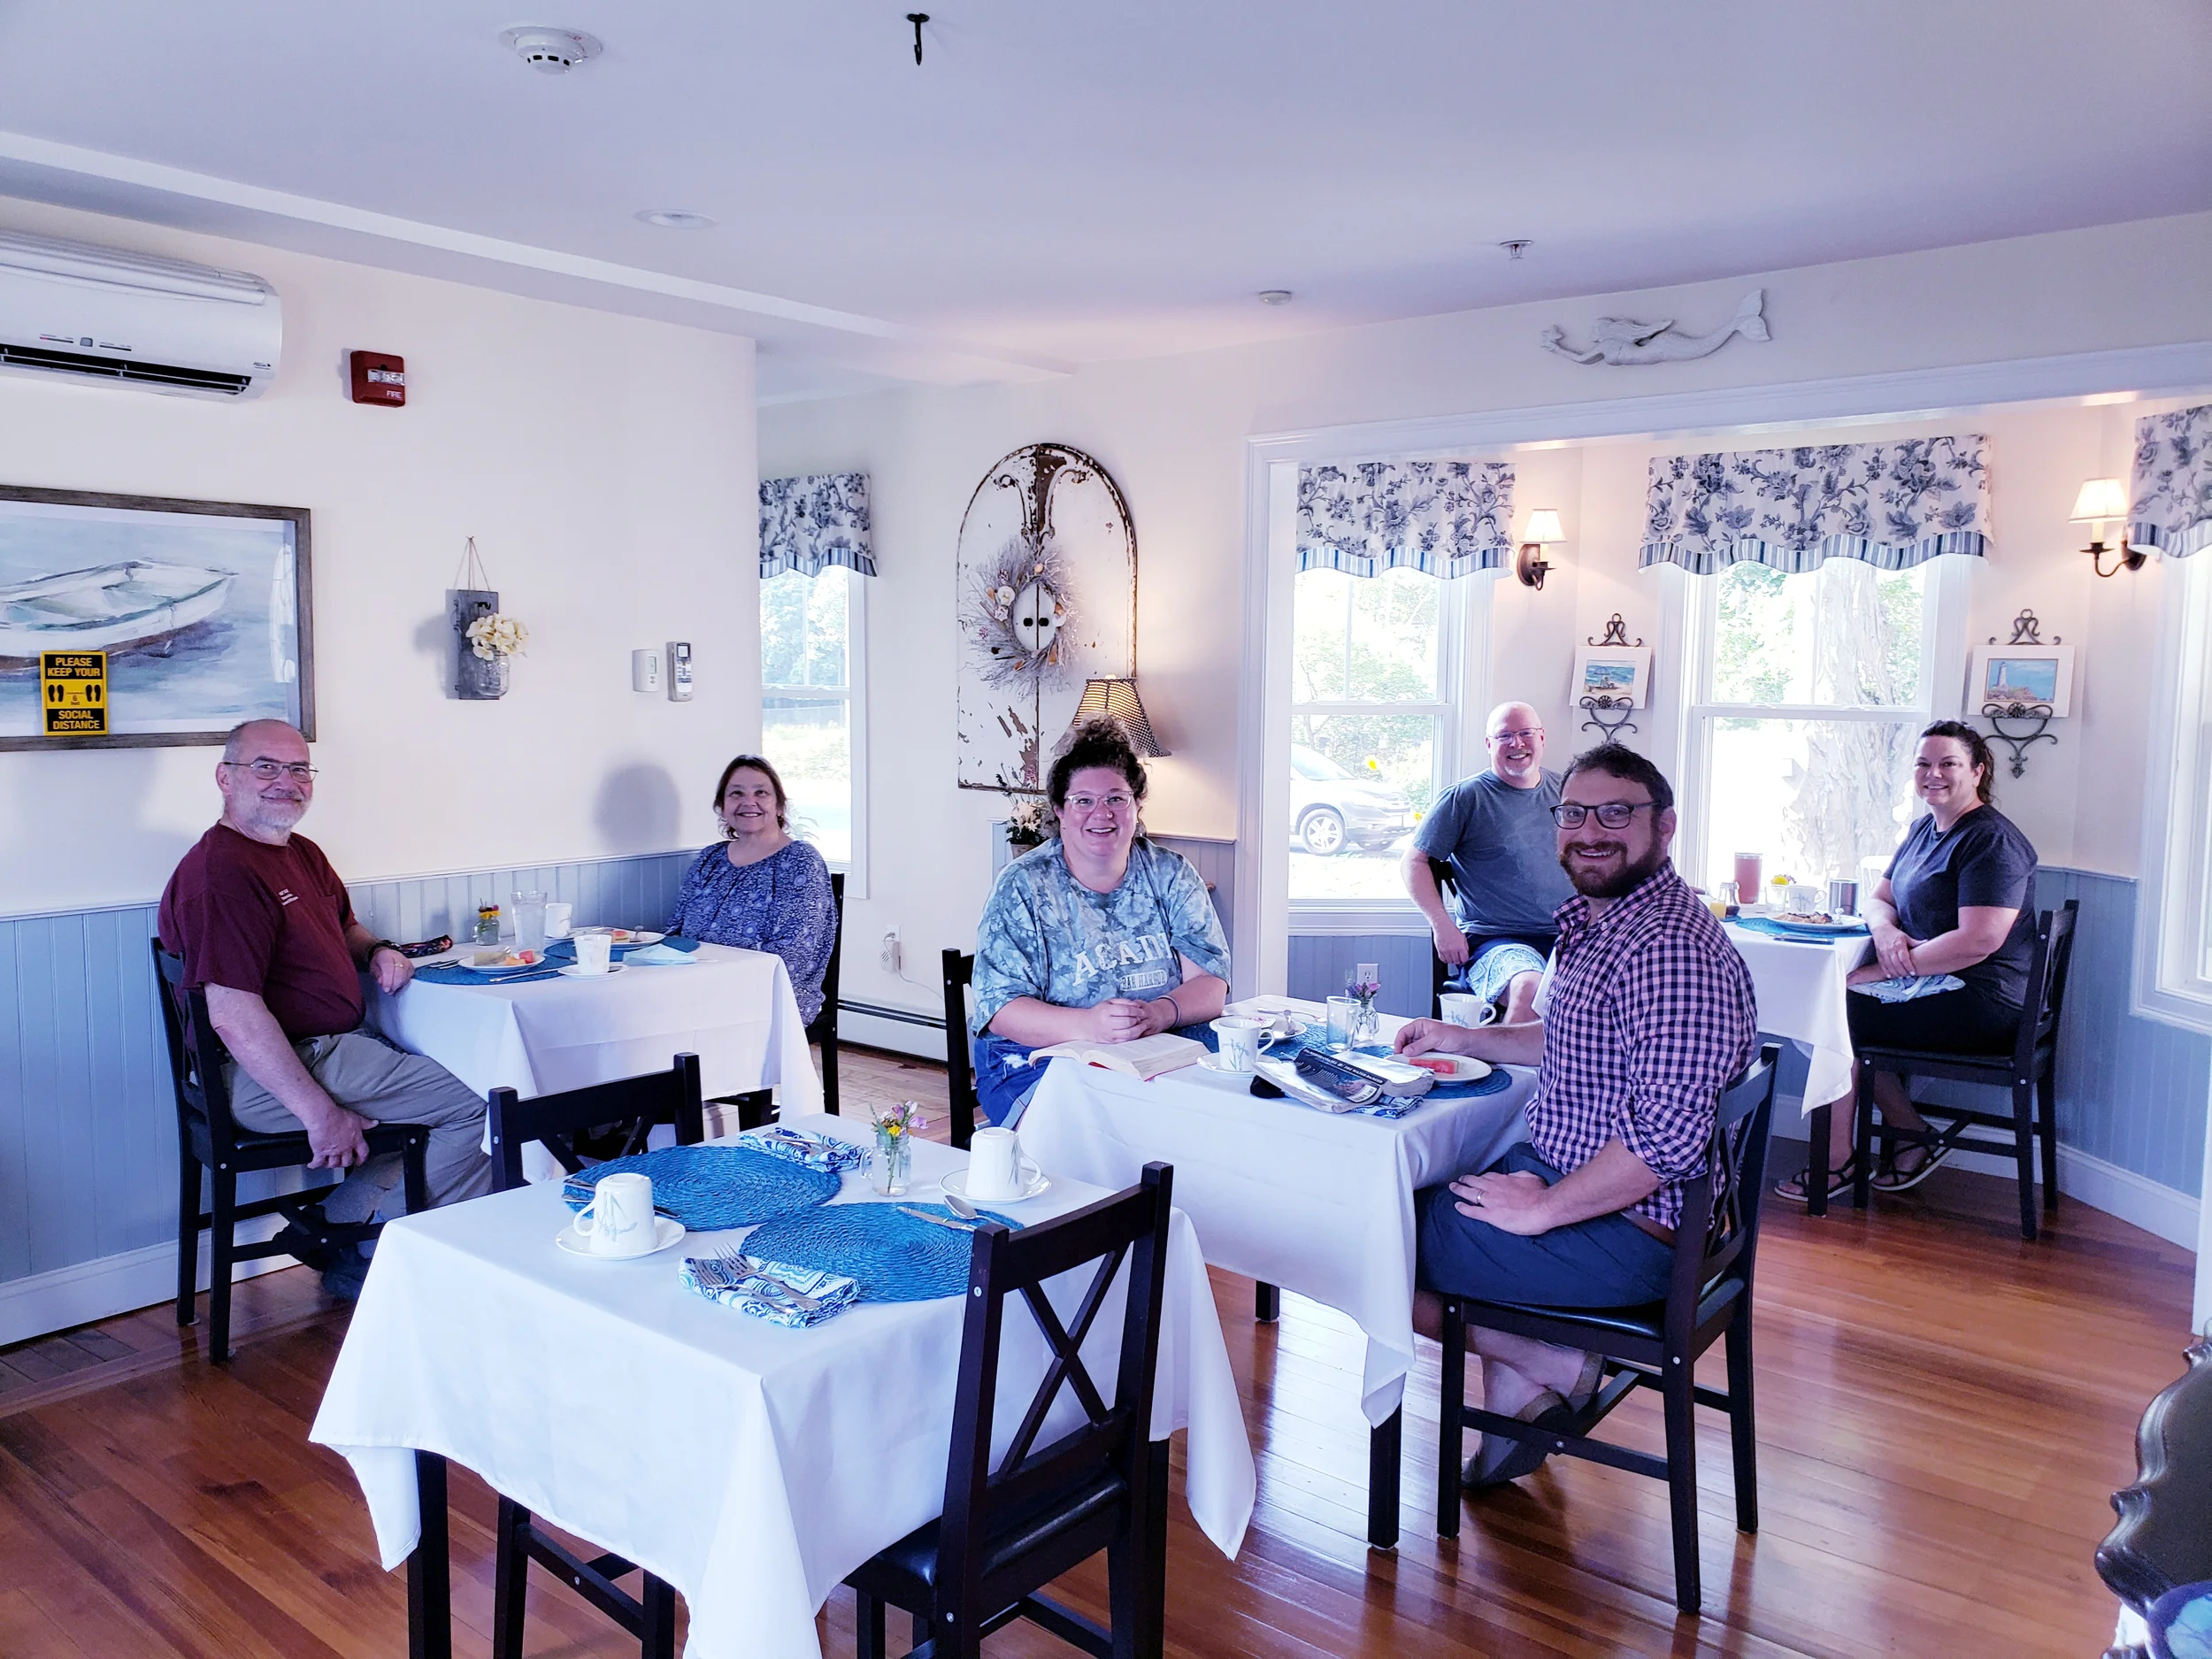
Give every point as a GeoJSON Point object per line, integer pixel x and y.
{"type": "Point", "coordinates": [733, 1008]}
{"type": "Point", "coordinates": [1317, 1203]}
{"type": "Point", "coordinates": [1801, 985]}
{"type": "Point", "coordinates": [750, 1466]}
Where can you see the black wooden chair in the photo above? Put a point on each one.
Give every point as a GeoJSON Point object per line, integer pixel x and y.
{"type": "Point", "coordinates": [823, 1031]}
{"type": "Point", "coordinates": [2164, 1537]}
{"type": "Point", "coordinates": [208, 1138]}
{"type": "Point", "coordinates": [639, 1104]}
{"type": "Point", "coordinates": [2030, 1071]}
{"type": "Point", "coordinates": [1007, 1531]}
{"type": "Point", "coordinates": [959, 974]}
{"type": "Point", "coordinates": [1654, 1347]}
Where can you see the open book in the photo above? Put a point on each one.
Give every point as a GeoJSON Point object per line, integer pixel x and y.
{"type": "Point", "coordinates": [1144, 1058]}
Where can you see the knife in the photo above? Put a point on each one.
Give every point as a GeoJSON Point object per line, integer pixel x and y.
{"type": "Point", "coordinates": [941, 1221]}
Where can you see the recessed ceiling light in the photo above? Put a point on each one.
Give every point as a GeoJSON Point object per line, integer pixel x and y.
{"type": "Point", "coordinates": [675, 218]}
{"type": "Point", "coordinates": [550, 51]}
{"type": "Point", "coordinates": [1274, 296]}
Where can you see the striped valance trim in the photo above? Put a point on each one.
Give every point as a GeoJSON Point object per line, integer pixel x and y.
{"type": "Point", "coordinates": [1795, 561]}
{"type": "Point", "coordinates": [2170, 488]}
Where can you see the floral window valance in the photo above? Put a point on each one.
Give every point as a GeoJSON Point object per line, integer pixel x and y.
{"type": "Point", "coordinates": [1894, 505]}
{"type": "Point", "coordinates": [2171, 488]}
{"type": "Point", "coordinates": [807, 524]}
{"type": "Point", "coordinates": [1445, 518]}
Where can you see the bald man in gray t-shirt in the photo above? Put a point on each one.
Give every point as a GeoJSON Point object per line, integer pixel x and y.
{"type": "Point", "coordinates": [1495, 831]}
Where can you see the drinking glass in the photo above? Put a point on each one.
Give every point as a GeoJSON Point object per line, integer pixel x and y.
{"type": "Point", "coordinates": [1748, 888]}
{"type": "Point", "coordinates": [1343, 1020]}
{"type": "Point", "coordinates": [530, 921]}
{"type": "Point", "coordinates": [890, 1169]}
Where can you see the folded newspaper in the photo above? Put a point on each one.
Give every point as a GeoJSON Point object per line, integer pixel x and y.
{"type": "Point", "coordinates": [1911, 987]}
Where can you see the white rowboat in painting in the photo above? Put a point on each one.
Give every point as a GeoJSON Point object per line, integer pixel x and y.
{"type": "Point", "coordinates": [108, 607]}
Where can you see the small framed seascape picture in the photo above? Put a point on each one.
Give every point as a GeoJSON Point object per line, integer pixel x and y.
{"type": "Point", "coordinates": [2027, 677]}
{"type": "Point", "coordinates": [1621, 674]}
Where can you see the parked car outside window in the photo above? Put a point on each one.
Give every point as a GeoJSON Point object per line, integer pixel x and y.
{"type": "Point", "coordinates": [1332, 811]}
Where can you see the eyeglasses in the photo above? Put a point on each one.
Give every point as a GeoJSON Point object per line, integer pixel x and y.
{"type": "Point", "coordinates": [1526, 735]}
{"type": "Point", "coordinates": [269, 770]}
{"type": "Point", "coordinates": [1111, 802]}
{"type": "Point", "coordinates": [1612, 814]}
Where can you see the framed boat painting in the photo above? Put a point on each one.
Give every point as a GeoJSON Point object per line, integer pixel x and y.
{"type": "Point", "coordinates": [177, 620]}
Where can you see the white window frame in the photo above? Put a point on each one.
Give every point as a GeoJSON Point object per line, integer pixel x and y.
{"type": "Point", "coordinates": [2173, 928]}
{"type": "Point", "coordinates": [1946, 591]}
{"type": "Point", "coordinates": [1463, 673]}
{"type": "Point", "coordinates": [854, 693]}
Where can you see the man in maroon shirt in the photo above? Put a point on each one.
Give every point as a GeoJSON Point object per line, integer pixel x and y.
{"type": "Point", "coordinates": [265, 927]}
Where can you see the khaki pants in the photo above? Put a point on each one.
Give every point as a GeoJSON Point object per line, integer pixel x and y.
{"type": "Point", "coordinates": [385, 1086]}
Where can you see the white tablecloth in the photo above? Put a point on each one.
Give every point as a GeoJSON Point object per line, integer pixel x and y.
{"type": "Point", "coordinates": [1318, 1204]}
{"type": "Point", "coordinates": [1800, 991]}
{"type": "Point", "coordinates": [733, 1008]}
{"type": "Point", "coordinates": [750, 1466]}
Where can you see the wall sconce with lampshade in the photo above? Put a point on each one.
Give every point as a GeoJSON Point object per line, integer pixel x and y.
{"type": "Point", "coordinates": [1542, 530]}
{"type": "Point", "coordinates": [2102, 501]}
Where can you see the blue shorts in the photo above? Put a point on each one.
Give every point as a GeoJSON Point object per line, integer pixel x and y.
{"type": "Point", "coordinates": [1607, 1261]}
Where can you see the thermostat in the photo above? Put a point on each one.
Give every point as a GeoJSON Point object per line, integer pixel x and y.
{"type": "Point", "coordinates": [679, 670]}
{"type": "Point", "coordinates": [645, 669]}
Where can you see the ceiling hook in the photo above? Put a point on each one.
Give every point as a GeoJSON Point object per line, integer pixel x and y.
{"type": "Point", "coordinates": [917, 18]}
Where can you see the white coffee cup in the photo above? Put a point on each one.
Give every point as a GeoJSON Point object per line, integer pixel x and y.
{"type": "Point", "coordinates": [619, 1221]}
{"type": "Point", "coordinates": [595, 946]}
{"type": "Point", "coordinates": [1463, 1008]}
{"type": "Point", "coordinates": [998, 1169]}
{"type": "Point", "coordinates": [1242, 1040]}
{"type": "Point", "coordinates": [557, 919]}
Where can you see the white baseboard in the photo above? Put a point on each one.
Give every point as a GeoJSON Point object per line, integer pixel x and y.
{"type": "Point", "coordinates": [2139, 1201]}
{"type": "Point", "coordinates": [78, 1294]}
{"type": "Point", "coordinates": [898, 1036]}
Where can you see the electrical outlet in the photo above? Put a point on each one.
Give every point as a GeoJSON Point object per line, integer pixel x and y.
{"type": "Point", "coordinates": [893, 957]}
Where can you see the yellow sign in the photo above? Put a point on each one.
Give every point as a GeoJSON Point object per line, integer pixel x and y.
{"type": "Point", "coordinates": [74, 687]}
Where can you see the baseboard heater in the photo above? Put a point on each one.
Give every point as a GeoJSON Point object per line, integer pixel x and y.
{"type": "Point", "coordinates": [902, 1016]}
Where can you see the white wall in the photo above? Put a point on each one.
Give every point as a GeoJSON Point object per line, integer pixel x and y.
{"type": "Point", "coordinates": [1172, 431]}
{"type": "Point", "coordinates": [606, 466]}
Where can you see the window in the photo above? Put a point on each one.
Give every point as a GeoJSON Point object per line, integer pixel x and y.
{"type": "Point", "coordinates": [2173, 973]}
{"type": "Point", "coordinates": [1374, 699]}
{"type": "Point", "coordinates": [1807, 697]}
{"type": "Point", "coordinates": [813, 648]}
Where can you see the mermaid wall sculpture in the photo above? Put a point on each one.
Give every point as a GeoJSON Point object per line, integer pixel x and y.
{"type": "Point", "coordinates": [1623, 341]}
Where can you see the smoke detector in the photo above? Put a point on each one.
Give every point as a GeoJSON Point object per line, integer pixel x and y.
{"type": "Point", "coordinates": [550, 51]}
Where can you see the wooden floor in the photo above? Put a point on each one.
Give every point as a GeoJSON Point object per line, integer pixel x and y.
{"type": "Point", "coordinates": [1943, 1411]}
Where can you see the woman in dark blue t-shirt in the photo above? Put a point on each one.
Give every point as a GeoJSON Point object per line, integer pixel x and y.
{"type": "Point", "coordinates": [1958, 898]}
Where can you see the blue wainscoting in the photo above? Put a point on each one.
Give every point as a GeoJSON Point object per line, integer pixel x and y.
{"type": "Point", "coordinates": [87, 1126]}
{"type": "Point", "coordinates": [2132, 1091]}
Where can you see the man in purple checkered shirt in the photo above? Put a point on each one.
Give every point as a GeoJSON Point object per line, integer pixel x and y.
{"type": "Point", "coordinates": [1646, 1018]}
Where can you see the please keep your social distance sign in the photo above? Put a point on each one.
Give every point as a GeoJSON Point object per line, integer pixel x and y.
{"type": "Point", "coordinates": [73, 692]}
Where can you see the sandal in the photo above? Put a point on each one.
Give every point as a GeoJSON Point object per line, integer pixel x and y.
{"type": "Point", "coordinates": [1502, 1459]}
{"type": "Point", "coordinates": [1894, 1177]}
{"type": "Point", "coordinates": [1797, 1189]}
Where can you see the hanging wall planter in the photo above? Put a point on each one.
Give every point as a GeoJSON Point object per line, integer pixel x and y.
{"type": "Point", "coordinates": [484, 640]}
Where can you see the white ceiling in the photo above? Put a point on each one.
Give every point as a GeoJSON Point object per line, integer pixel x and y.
{"type": "Point", "coordinates": [1059, 184]}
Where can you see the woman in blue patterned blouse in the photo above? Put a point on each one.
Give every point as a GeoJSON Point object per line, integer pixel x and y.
{"type": "Point", "coordinates": [758, 889]}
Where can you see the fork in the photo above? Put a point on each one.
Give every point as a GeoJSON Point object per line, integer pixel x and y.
{"type": "Point", "coordinates": [753, 1267]}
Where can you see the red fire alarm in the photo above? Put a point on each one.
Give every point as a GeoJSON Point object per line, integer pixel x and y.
{"type": "Point", "coordinates": [380, 377]}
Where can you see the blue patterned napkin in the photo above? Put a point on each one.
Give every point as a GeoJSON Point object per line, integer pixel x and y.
{"type": "Point", "coordinates": [712, 1187]}
{"type": "Point", "coordinates": [1910, 988]}
{"type": "Point", "coordinates": [896, 1257]}
{"type": "Point", "coordinates": [771, 1290]}
{"type": "Point", "coordinates": [565, 949]}
{"type": "Point", "coordinates": [454, 973]}
{"type": "Point", "coordinates": [816, 1152]}
{"type": "Point", "coordinates": [1773, 927]}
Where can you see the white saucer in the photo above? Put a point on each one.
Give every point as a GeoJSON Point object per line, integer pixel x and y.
{"type": "Point", "coordinates": [575, 972]}
{"type": "Point", "coordinates": [639, 938]}
{"type": "Point", "coordinates": [1212, 1063]}
{"type": "Point", "coordinates": [501, 967]}
{"type": "Point", "coordinates": [957, 1184]}
{"type": "Point", "coordinates": [666, 1232]}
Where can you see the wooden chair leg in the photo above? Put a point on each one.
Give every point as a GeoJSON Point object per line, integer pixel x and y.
{"type": "Point", "coordinates": [1862, 1139]}
{"type": "Point", "coordinates": [416, 1180]}
{"type": "Point", "coordinates": [2049, 1090]}
{"type": "Point", "coordinates": [1680, 1413]}
{"type": "Point", "coordinates": [187, 1236]}
{"type": "Point", "coordinates": [221, 1244]}
{"type": "Point", "coordinates": [2023, 1152]}
{"type": "Point", "coordinates": [1451, 1429]}
{"type": "Point", "coordinates": [829, 1073]}
{"type": "Point", "coordinates": [1136, 1570]}
{"type": "Point", "coordinates": [510, 1577]}
{"type": "Point", "coordinates": [1743, 1433]}
{"type": "Point", "coordinates": [1817, 1161]}
{"type": "Point", "coordinates": [1267, 1301]}
{"type": "Point", "coordinates": [656, 1598]}
{"type": "Point", "coordinates": [868, 1633]}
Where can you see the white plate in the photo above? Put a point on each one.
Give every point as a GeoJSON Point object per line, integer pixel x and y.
{"type": "Point", "coordinates": [957, 1184]}
{"type": "Point", "coordinates": [575, 972]}
{"type": "Point", "coordinates": [504, 967]}
{"type": "Point", "coordinates": [1212, 1063]}
{"type": "Point", "coordinates": [641, 936]}
{"type": "Point", "coordinates": [666, 1232]}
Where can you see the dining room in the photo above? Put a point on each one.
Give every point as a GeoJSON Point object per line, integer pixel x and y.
{"type": "Point", "coordinates": [909, 893]}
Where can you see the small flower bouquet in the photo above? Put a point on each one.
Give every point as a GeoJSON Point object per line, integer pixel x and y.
{"type": "Point", "coordinates": [495, 636]}
{"type": "Point", "coordinates": [1364, 987]}
{"type": "Point", "coordinates": [1025, 825]}
{"type": "Point", "coordinates": [890, 1170]}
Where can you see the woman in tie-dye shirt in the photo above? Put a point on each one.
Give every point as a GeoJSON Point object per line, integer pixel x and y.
{"type": "Point", "coordinates": [1099, 935]}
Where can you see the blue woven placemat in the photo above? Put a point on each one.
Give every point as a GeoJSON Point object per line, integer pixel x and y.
{"type": "Point", "coordinates": [565, 949]}
{"type": "Point", "coordinates": [712, 1187]}
{"type": "Point", "coordinates": [894, 1257]}
{"type": "Point", "coordinates": [454, 973]}
{"type": "Point", "coordinates": [1773, 929]}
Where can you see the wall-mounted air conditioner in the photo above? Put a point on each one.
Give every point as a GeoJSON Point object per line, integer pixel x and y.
{"type": "Point", "coordinates": [68, 307]}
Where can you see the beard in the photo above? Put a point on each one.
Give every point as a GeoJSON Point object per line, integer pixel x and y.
{"type": "Point", "coordinates": [1632, 875]}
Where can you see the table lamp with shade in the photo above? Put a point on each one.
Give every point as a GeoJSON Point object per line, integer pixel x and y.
{"type": "Point", "coordinates": [1116, 698]}
{"type": "Point", "coordinates": [2102, 501]}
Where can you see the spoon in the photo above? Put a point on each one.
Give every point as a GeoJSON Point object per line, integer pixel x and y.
{"type": "Point", "coordinates": [961, 1207]}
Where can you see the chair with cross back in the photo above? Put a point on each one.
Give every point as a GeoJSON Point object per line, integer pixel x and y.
{"type": "Point", "coordinates": [1009, 1528]}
